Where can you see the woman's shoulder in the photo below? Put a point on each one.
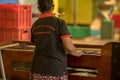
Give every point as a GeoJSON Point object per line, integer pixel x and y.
{"type": "Point", "coordinates": [59, 19]}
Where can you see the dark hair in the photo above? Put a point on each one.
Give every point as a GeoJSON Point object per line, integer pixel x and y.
{"type": "Point", "coordinates": [45, 5]}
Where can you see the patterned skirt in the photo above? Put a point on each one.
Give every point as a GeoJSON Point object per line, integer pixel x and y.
{"type": "Point", "coordinates": [43, 77]}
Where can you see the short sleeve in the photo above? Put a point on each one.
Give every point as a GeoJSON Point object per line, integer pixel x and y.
{"type": "Point", "coordinates": [64, 32]}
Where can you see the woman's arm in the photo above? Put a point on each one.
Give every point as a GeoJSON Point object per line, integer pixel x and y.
{"type": "Point", "coordinates": [71, 49]}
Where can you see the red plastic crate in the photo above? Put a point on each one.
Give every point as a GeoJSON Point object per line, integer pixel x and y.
{"type": "Point", "coordinates": [8, 34]}
{"type": "Point", "coordinates": [3, 23]}
{"type": "Point", "coordinates": [116, 19]}
{"type": "Point", "coordinates": [2, 35]}
{"type": "Point", "coordinates": [15, 16]}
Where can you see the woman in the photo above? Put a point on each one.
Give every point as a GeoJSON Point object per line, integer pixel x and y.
{"type": "Point", "coordinates": [52, 39]}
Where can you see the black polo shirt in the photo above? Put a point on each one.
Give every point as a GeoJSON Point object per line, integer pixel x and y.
{"type": "Point", "coordinates": [50, 56]}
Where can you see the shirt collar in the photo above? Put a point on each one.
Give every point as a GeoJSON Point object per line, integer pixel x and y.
{"type": "Point", "coordinates": [46, 15]}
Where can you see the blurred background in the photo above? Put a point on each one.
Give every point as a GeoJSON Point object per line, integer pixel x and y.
{"type": "Point", "coordinates": [85, 18]}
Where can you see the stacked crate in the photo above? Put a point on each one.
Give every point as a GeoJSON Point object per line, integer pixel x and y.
{"type": "Point", "coordinates": [15, 22]}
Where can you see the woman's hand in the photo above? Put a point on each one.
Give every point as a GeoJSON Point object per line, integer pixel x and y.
{"type": "Point", "coordinates": [77, 53]}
